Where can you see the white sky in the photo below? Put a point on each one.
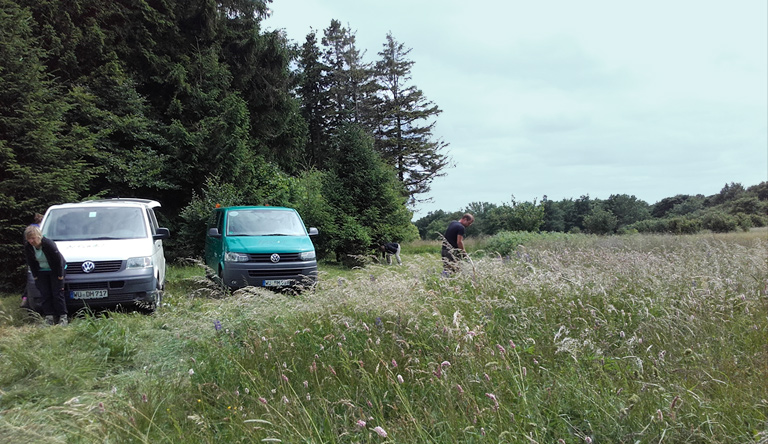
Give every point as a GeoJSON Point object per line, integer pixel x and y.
{"type": "Point", "coordinates": [565, 98]}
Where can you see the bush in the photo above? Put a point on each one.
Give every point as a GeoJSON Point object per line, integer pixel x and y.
{"type": "Point", "coordinates": [683, 225]}
{"type": "Point", "coordinates": [719, 222]}
{"type": "Point", "coordinates": [600, 221]}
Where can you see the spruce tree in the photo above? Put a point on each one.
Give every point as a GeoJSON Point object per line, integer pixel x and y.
{"type": "Point", "coordinates": [404, 131]}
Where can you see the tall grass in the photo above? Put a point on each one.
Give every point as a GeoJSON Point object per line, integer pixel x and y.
{"type": "Point", "coordinates": [586, 339]}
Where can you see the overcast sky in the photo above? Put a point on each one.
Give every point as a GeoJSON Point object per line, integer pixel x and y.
{"type": "Point", "coordinates": [565, 98]}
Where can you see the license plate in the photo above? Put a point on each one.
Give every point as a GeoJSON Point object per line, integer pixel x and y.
{"type": "Point", "coordinates": [277, 282]}
{"type": "Point", "coordinates": [89, 294]}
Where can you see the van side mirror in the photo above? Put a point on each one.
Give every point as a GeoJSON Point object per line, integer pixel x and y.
{"type": "Point", "coordinates": [162, 233]}
{"type": "Point", "coordinates": [214, 232]}
{"type": "Point", "coordinates": [313, 231]}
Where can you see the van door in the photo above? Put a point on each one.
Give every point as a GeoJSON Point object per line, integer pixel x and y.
{"type": "Point", "coordinates": [158, 254]}
{"type": "Point", "coordinates": [213, 245]}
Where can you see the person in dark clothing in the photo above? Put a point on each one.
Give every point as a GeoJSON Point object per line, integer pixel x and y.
{"type": "Point", "coordinates": [36, 222]}
{"type": "Point", "coordinates": [48, 269]}
{"type": "Point", "coordinates": [389, 249]}
{"type": "Point", "coordinates": [453, 242]}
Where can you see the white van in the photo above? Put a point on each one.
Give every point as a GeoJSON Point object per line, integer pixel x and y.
{"type": "Point", "coordinates": [113, 249]}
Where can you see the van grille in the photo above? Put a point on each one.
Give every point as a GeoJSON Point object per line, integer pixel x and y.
{"type": "Point", "coordinates": [112, 285]}
{"type": "Point", "coordinates": [274, 274]}
{"type": "Point", "coordinates": [267, 257]}
{"type": "Point", "coordinates": [101, 267]}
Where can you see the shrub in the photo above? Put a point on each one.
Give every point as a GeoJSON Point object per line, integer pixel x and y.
{"type": "Point", "coordinates": [600, 221]}
{"type": "Point", "coordinates": [719, 222]}
{"type": "Point", "coordinates": [683, 225]}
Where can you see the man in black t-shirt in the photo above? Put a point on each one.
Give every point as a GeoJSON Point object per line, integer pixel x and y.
{"type": "Point", "coordinates": [453, 243]}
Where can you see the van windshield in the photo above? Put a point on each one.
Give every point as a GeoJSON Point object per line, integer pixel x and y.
{"type": "Point", "coordinates": [94, 223]}
{"type": "Point", "coordinates": [264, 223]}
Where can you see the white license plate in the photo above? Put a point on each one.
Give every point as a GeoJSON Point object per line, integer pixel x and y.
{"type": "Point", "coordinates": [89, 294]}
{"type": "Point", "coordinates": [277, 282]}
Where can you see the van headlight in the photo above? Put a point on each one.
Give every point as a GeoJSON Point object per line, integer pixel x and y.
{"type": "Point", "coordinates": [139, 262]}
{"type": "Point", "coordinates": [235, 257]}
{"type": "Point", "coordinates": [307, 255]}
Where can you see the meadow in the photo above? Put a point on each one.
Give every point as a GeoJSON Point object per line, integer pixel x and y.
{"type": "Point", "coordinates": [579, 339]}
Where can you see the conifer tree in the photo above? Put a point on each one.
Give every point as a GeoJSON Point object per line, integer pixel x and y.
{"type": "Point", "coordinates": [41, 159]}
{"type": "Point", "coordinates": [315, 103]}
{"type": "Point", "coordinates": [404, 131]}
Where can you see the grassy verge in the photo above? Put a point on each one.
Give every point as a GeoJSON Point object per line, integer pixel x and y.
{"type": "Point", "coordinates": [626, 339]}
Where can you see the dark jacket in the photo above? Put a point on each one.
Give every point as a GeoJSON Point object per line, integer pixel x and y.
{"type": "Point", "coordinates": [55, 259]}
{"type": "Point", "coordinates": [391, 247]}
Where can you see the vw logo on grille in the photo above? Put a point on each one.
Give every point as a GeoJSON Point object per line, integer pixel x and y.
{"type": "Point", "coordinates": [88, 266]}
{"type": "Point", "coordinates": [275, 258]}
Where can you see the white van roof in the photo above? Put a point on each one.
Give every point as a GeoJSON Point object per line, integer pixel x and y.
{"type": "Point", "coordinates": [128, 201]}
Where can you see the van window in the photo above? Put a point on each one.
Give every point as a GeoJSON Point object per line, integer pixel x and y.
{"type": "Point", "coordinates": [95, 223]}
{"type": "Point", "coordinates": [264, 223]}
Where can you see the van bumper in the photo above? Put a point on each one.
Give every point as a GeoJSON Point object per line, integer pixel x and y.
{"type": "Point", "coordinates": [289, 274]}
{"type": "Point", "coordinates": [125, 288]}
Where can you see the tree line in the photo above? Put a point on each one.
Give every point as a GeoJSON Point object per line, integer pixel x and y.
{"type": "Point", "coordinates": [192, 103]}
{"type": "Point", "coordinates": [734, 207]}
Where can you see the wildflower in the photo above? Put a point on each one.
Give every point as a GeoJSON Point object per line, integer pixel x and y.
{"type": "Point", "coordinates": [495, 401]}
{"type": "Point", "coordinates": [332, 370]}
{"type": "Point", "coordinates": [458, 387]}
{"type": "Point", "coordinates": [360, 423]}
{"type": "Point", "coordinates": [501, 348]}
{"type": "Point", "coordinates": [365, 326]}
{"type": "Point", "coordinates": [306, 384]}
{"type": "Point", "coordinates": [144, 397]}
{"type": "Point", "coordinates": [482, 431]}
{"type": "Point", "coordinates": [588, 440]}
{"type": "Point", "coordinates": [285, 400]}
{"type": "Point", "coordinates": [400, 379]}
{"type": "Point", "coordinates": [487, 378]}
{"type": "Point", "coordinates": [525, 372]}
{"type": "Point", "coordinates": [101, 407]}
{"type": "Point", "coordinates": [217, 325]}
{"type": "Point", "coordinates": [237, 392]}
{"type": "Point", "coordinates": [191, 372]}
{"type": "Point", "coordinates": [263, 400]}
{"type": "Point", "coordinates": [511, 344]}
{"type": "Point", "coordinates": [285, 378]}
{"type": "Point", "coordinates": [381, 432]}
{"type": "Point", "coordinates": [394, 363]}
{"type": "Point", "coordinates": [247, 391]}
{"type": "Point", "coordinates": [445, 364]}
{"type": "Point", "coordinates": [313, 367]}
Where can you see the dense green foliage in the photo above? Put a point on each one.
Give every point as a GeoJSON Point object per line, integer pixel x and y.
{"type": "Point", "coordinates": [733, 208]}
{"type": "Point", "coordinates": [579, 339]}
{"type": "Point", "coordinates": [190, 102]}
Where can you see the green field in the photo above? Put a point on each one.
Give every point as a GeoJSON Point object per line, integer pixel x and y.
{"type": "Point", "coordinates": [632, 339]}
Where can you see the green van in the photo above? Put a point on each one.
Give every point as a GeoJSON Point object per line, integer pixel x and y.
{"type": "Point", "coordinates": [261, 247]}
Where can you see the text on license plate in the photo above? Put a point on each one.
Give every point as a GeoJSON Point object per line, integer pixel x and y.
{"type": "Point", "coordinates": [89, 294]}
{"type": "Point", "coordinates": [277, 282]}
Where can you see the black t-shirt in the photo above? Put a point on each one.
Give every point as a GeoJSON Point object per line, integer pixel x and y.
{"type": "Point", "coordinates": [455, 229]}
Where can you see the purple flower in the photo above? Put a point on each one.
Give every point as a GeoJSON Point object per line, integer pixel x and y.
{"type": "Point", "coordinates": [381, 432]}
{"type": "Point", "coordinates": [217, 325]}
